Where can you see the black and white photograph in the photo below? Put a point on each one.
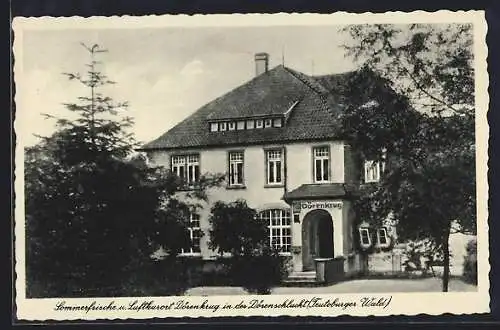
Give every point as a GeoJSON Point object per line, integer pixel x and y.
{"type": "Point", "coordinates": [238, 165]}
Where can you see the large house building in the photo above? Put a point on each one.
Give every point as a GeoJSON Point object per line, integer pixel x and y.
{"type": "Point", "coordinates": [277, 139]}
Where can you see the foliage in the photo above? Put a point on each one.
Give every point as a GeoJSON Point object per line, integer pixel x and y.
{"type": "Point", "coordinates": [420, 254]}
{"type": "Point", "coordinates": [236, 228]}
{"type": "Point", "coordinates": [470, 262]}
{"type": "Point", "coordinates": [413, 101]}
{"type": "Point", "coordinates": [258, 273]}
{"type": "Point", "coordinates": [156, 278]}
{"type": "Point", "coordinates": [95, 212]}
{"type": "Point", "coordinates": [431, 64]}
{"type": "Point", "coordinates": [105, 213]}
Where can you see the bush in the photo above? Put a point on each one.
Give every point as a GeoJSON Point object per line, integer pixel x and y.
{"type": "Point", "coordinates": [258, 273]}
{"type": "Point", "coordinates": [470, 262]}
{"type": "Point", "coordinates": [236, 228]}
{"type": "Point", "coordinates": [166, 277]}
{"type": "Point", "coordinates": [420, 255]}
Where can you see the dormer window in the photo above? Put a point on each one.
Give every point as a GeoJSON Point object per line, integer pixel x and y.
{"type": "Point", "coordinates": [241, 124]}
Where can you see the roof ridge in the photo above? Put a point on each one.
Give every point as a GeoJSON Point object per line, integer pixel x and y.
{"type": "Point", "coordinates": [296, 74]}
{"type": "Point", "coordinates": [323, 95]}
{"type": "Point", "coordinates": [335, 74]}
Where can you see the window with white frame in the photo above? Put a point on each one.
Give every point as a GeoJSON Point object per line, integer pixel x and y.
{"type": "Point", "coordinates": [214, 127]}
{"type": "Point", "coordinates": [364, 237]}
{"type": "Point", "coordinates": [372, 171]}
{"type": "Point", "coordinates": [382, 238]}
{"type": "Point", "coordinates": [245, 124]}
{"type": "Point", "coordinates": [280, 235]}
{"type": "Point", "coordinates": [187, 168]}
{"type": "Point", "coordinates": [194, 234]}
{"type": "Point", "coordinates": [321, 164]}
{"type": "Point", "coordinates": [235, 168]}
{"type": "Point", "coordinates": [274, 159]}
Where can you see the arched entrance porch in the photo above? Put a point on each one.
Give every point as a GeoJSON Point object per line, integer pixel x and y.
{"type": "Point", "coordinates": [317, 237]}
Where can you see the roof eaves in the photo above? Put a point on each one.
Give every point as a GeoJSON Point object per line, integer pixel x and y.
{"type": "Point", "coordinates": [146, 148]}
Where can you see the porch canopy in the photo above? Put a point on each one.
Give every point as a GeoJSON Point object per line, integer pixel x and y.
{"type": "Point", "coordinates": [320, 191]}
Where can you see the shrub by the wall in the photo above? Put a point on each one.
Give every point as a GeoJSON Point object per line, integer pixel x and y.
{"type": "Point", "coordinates": [166, 277]}
{"type": "Point", "coordinates": [258, 273]}
{"type": "Point", "coordinates": [470, 262]}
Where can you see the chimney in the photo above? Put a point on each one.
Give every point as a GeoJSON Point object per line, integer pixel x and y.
{"type": "Point", "coordinates": [261, 63]}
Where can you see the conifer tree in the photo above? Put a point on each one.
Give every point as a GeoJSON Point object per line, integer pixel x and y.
{"type": "Point", "coordinates": [94, 213]}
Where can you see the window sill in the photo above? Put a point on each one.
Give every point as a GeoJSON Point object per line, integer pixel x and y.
{"type": "Point", "coordinates": [322, 182]}
{"type": "Point", "coordinates": [190, 255]}
{"type": "Point", "coordinates": [236, 187]}
{"type": "Point", "coordinates": [188, 188]}
{"type": "Point", "coordinates": [277, 185]}
{"type": "Point", "coordinates": [382, 246]}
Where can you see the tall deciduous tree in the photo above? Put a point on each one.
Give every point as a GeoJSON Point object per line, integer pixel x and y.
{"type": "Point", "coordinates": [414, 100]}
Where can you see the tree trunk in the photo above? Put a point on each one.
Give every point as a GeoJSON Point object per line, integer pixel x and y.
{"type": "Point", "coordinates": [446, 260]}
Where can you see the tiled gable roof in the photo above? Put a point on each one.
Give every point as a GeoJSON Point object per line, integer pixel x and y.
{"type": "Point", "coordinates": [271, 93]}
{"type": "Point", "coordinates": [314, 115]}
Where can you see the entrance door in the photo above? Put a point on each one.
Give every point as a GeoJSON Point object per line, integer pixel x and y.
{"type": "Point", "coordinates": [317, 237]}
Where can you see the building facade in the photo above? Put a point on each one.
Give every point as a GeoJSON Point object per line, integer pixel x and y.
{"type": "Point", "coordinates": [276, 137]}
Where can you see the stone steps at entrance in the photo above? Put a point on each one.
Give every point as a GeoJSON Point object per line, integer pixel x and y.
{"type": "Point", "coordinates": [307, 278]}
{"type": "Point", "coordinates": [307, 274]}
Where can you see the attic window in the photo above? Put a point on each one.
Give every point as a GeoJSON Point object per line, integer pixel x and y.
{"type": "Point", "coordinates": [277, 122]}
{"type": "Point", "coordinates": [268, 123]}
{"type": "Point", "coordinates": [214, 127]}
{"type": "Point", "coordinates": [240, 125]}
{"type": "Point", "coordinates": [232, 126]}
{"type": "Point", "coordinates": [250, 124]}
{"type": "Point", "coordinates": [259, 123]}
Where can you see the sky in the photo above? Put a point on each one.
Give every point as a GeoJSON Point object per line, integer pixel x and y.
{"type": "Point", "coordinates": [164, 73]}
